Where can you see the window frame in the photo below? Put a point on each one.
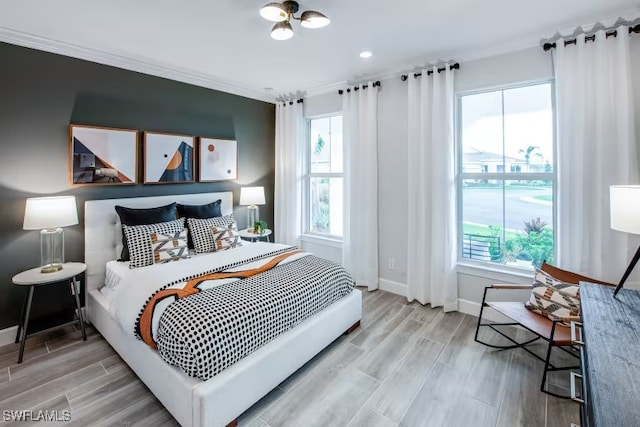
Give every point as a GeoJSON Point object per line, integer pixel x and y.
{"type": "Point", "coordinates": [308, 175]}
{"type": "Point", "coordinates": [502, 176]}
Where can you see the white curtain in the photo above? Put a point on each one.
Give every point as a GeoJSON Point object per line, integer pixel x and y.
{"type": "Point", "coordinates": [290, 131]}
{"type": "Point", "coordinates": [596, 148]}
{"type": "Point", "coordinates": [431, 264]}
{"type": "Point", "coordinates": [360, 234]}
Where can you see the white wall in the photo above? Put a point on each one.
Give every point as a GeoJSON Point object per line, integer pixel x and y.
{"type": "Point", "coordinates": [528, 65]}
{"type": "Point", "coordinates": [320, 105]}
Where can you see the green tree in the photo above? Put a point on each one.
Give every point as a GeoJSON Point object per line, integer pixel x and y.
{"type": "Point", "coordinates": [317, 149]}
{"type": "Point", "coordinates": [527, 153]}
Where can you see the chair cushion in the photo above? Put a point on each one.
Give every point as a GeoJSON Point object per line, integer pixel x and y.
{"type": "Point", "coordinates": [532, 321]}
{"type": "Point", "coordinates": [553, 298]}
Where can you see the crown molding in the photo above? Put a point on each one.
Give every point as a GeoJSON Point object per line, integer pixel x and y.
{"type": "Point", "coordinates": [140, 64]}
{"type": "Point", "coordinates": [322, 89]}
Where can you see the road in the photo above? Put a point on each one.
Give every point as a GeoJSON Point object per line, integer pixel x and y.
{"type": "Point", "coordinates": [484, 206]}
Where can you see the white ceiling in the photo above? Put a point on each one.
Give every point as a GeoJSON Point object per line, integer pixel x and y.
{"type": "Point", "coordinates": [225, 44]}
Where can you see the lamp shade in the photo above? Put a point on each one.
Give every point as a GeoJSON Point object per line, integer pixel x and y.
{"type": "Point", "coordinates": [625, 208]}
{"type": "Point", "coordinates": [252, 196]}
{"type": "Point", "coordinates": [282, 31]}
{"type": "Point", "coordinates": [50, 212]}
{"type": "Point", "coordinates": [274, 12]}
{"type": "Point", "coordinates": [312, 19]}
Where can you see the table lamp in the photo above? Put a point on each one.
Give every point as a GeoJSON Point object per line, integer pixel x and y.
{"type": "Point", "coordinates": [50, 214]}
{"type": "Point", "coordinates": [251, 197]}
{"type": "Point", "coordinates": [625, 216]}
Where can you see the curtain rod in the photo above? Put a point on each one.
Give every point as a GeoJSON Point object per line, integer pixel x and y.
{"type": "Point", "coordinates": [284, 102]}
{"type": "Point", "coordinates": [364, 86]}
{"type": "Point", "coordinates": [590, 38]}
{"type": "Point", "coordinates": [455, 66]}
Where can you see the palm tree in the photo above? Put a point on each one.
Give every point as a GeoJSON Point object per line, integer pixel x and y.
{"type": "Point", "coordinates": [527, 154]}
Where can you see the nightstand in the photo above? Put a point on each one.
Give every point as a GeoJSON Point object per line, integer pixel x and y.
{"type": "Point", "coordinates": [33, 278]}
{"type": "Point", "coordinates": [248, 234]}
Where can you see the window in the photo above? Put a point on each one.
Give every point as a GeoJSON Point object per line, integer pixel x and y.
{"type": "Point", "coordinates": [506, 176]}
{"type": "Point", "coordinates": [324, 177]}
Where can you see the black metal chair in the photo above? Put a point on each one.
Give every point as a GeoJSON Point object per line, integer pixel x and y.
{"type": "Point", "coordinates": [552, 331]}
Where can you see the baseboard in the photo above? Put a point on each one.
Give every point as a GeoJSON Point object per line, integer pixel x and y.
{"type": "Point", "coordinates": [8, 335]}
{"type": "Point", "coordinates": [473, 308]}
{"type": "Point", "coordinates": [393, 287]}
{"type": "Point", "coordinates": [463, 305]}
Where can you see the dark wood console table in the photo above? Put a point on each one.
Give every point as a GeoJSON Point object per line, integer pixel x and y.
{"type": "Point", "coordinates": [610, 356]}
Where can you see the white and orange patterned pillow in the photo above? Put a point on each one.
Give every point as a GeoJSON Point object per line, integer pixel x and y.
{"type": "Point", "coordinates": [202, 235]}
{"type": "Point", "coordinates": [225, 237]}
{"type": "Point", "coordinates": [167, 247]}
{"type": "Point", "coordinates": [553, 298]}
{"type": "Point", "coordinates": [140, 252]}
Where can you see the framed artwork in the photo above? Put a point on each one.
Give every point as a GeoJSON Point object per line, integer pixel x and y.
{"type": "Point", "coordinates": [102, 156]}
{"type": "Point", "coordinates": [168, 158]}
{"type": "Point", "coordinates": [218, 159]}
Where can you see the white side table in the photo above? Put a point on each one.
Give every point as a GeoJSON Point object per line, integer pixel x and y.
{"type": "Point", "coordinates": [33, 278]}
{"type": "Point", "coordinates": [248, 234]}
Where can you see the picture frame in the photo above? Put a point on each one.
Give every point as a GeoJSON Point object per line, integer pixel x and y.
{"type": "Point", "coordinates": [102, 156]}
{"type": "Point", "coordinates": [168, 158]}
{"type": "Point", "coordinates": [218, 159]}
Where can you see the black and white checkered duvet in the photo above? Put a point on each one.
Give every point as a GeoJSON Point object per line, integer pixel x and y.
{"type": "Point", "coordinates": [207, 332]}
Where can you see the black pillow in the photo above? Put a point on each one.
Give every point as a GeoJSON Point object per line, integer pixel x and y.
{"type": "Point", "coordinates": [207, 211]}
{"type": "Point", "coordinates": [210, 210]}
{"type": "Point", "coordinates": [130, 216]}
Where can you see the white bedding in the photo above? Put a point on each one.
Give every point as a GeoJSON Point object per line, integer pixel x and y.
{"type": "Point", "coordinates": [135, 286]}
{"type": "Point", "coordinates": [115, 271]}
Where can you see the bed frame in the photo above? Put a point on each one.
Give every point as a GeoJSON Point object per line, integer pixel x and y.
{"type": "Point", "coordinates": [220, 400]}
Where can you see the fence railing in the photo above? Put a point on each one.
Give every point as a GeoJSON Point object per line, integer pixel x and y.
{"type": "Point", "coordinates": [480, 247]}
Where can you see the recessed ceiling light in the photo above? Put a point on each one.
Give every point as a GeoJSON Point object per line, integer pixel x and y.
{"type": "Point", "coordinates": [366, 54]}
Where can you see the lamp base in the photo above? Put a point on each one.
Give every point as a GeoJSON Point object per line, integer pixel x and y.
{"type": "Point", "coordinates": [51, 268]}
{"type": "Point", "coordinates": [51, 250]}
{"type": "Point", "coordinates": [252, 215]}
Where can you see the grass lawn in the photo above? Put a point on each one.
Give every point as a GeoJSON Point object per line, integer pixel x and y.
{"type": "Point", "coordinates": [509, 187]}
{"type": "Point", "coordinates": [545, 197]}
{"type": "Point", "coordinates": [484, 230]}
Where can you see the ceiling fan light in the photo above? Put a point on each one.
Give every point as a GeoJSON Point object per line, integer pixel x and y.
{"type": "Point", "coordinates": [282, 31]}
{"type": "Point", "coordinates": [313, 19]}
{"type": "Point", "coordinates": [274, 12]}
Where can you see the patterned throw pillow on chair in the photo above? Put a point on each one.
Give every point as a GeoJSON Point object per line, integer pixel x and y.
{"type": "Point", "coordinates": [225, 237]}
{"type": "Point", "coordinates": [552, 298]}
{"type": "Point", "coordinates": [169, 247]}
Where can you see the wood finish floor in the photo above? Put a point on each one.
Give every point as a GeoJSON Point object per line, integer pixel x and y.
{"type": "Point", "coordinates": [407, 365]}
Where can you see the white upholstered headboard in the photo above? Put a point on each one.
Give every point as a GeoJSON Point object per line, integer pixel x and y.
{"type": "Point", "coordinates": [103, 232]}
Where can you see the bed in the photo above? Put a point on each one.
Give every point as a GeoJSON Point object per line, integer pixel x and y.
{"type": "Point", "coordinates": [219, 400]}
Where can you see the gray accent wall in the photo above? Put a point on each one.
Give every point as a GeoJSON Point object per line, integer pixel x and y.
{"type": "Point", "coordinates": [42, 93]}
